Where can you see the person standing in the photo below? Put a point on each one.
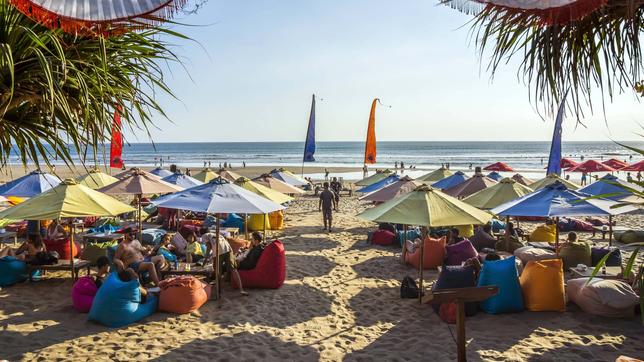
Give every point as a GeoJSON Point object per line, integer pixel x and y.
{"type": "Point", "coordinates": [326, 174]}
{"type": "Point", "coordinates": [583, 178]}
{"type": "Point", "coordinates": [326, 205]}
{"type": "Point", "coordinates": [336, 187]}
{"type": "Point", "coordinates": [365, 170]}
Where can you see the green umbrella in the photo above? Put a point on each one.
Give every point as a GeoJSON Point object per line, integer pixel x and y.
{"type": "Point", "coordinates": [435, 175]}
{"type": "Point", "coordinates": [374, 178]}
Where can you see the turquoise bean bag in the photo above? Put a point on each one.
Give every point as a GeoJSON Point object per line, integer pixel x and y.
{"type": "Point", "coordinates": [117, 303]}
{"type": "Point", "coordinates": [503, 274]}
{"type": "Point", "coordinates": [12, 271]}
{"type": "Point", "coordinates": [234, 221]}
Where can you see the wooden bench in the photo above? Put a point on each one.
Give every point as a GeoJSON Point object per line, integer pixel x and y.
{"type": "Point", "coordinates": [63, 265]}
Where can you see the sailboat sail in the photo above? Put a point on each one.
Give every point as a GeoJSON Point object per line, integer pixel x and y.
{"type": "Point", "coordinates": [370, 145]}
{"type": "Point", "coordinates": [309, 145]}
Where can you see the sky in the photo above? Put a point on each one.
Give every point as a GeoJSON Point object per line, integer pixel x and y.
{"type": "Point", "coordinates": [253, 65]}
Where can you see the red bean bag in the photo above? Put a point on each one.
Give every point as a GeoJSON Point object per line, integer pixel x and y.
{"type": "Point", "coordinates": [83, 293]}
{"type": "Point", "coordinates": [383, 237]}
{"type": "Point", "coordinates": [62, 248]}
{"type": "Point", "coordinates": [182, 294]}
{"type": "Point", "coordinates": [270, 271]}
{"type": "Point", "coordinates": [460, 252]}
{"type": "Point", "coordinates": [434, 254]}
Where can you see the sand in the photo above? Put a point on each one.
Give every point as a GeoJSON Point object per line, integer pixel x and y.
{"type": "Point", "coordinates": [340, 302]}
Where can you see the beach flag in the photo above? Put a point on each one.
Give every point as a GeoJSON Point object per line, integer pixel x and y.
{"type": "Point", "coordinates": [554, 161]}
{"type": "Point", "coordinates": [370, 145]}
{"type": "Point", "coordinates": [116, 144]}
{"type": "Point", "coordinates": [309, 145]}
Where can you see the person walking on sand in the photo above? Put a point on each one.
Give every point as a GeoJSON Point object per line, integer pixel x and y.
{"type": "Point", "coordinates": [365, 170]}
{"type": "Point", "coordinates": [326, 205]}
{"type": "Point", "coordinates": [326, 174]}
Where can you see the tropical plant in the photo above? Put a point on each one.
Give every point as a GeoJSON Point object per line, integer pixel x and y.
{"type": "Point", "coordinates": [59, 91]}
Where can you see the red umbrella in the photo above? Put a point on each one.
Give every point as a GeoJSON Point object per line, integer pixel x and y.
{"type": "Point", "coordinates": [499, 166]}
{"type": "Point", "coordinates": [568, 163]}
{"type": "Point", "coordinates": [638, 167]}
{"type": "Point", "coordinates": [615, 163]}
{"type": "Point", "coordinates": [591, 166]}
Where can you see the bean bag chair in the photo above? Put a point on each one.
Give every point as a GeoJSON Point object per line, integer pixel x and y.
{"type": "Point", "coordinates": [497, 225]}
{"type": "Point", "coordinates": [105, 228]}
{"type": "Point", "coordinates": [544, 233]}
{"type": "Point", "coordinates": [434, 254]}
{"type": "Point", "coordinates": [276, 219]}
{"type": "Point", "coordinates": [508, 245]}
{"type": "Point", "coordinates": [412, 234]}
{"type": "Point", "coordinates": [542, 285]}
{"type": "Point", "coordinates": [182, 294]}
{"type": "Point", "coordinates": [456, 254]}
{"type": "Point", "coordinates": [607, 298]}
{"type": "Point", "coordinates": [270, 271]}
{"type": "Point", "coordinates": [93, 251]}
{"type": "Point", "coordinates": [465, 231]}
{"type": "Point", "coordinates": [256, 222]}
{"type": "Point", "coordinates": [597, 253]}
{"type": "Point", "coordinates": [62, 247]}
{"type": "Point", "coordinates": [238, 243]}
{"type": "Point", "coordinates": [12, 271]}
{"type": "Point", "coordinates": [233, 221]}
{"type": "Point", "coordinates": [569, 224]}
{"type": "Point", "coordinates": [575, 253]}
{"type": "Point", "coordinates": [167, 255]}
{"type": "Point", "coordinates": [387, 226]}
{"type": "Point", "coordinates": [117, 303]}
{"type": "Point", "coordinates": [383, 237]}
{"type": "Point", "coordinates": [628, 237]}
{"type": "Point", "coordinates": [152, 236]}
{"type": "Point", "coordinates": [481, 240]}
{"type": "Point", "coordinates": [503, 274]}
{"type": "Point", "coordinates": [529, 253]}
{"type": "Point", "coordinates": [457, 277]}
{"type": "Point", "coordinates": [83, 293]}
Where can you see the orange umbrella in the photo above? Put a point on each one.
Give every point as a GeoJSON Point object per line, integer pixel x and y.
{"type": "Point", "coordinates": [498, 166]}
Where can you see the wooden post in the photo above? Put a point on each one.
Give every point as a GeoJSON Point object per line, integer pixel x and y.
{"type": "Point", "coordinates": [217, 276]}
{"type": "Point", "coordinates": [507, 233]}
{"type": "Point", "coordinates": [610, 230]}
{"type": "Point", "coordinates": [557, 236]}
{"type": "Point", "coordinates": [140, 219]}
{"type": "Point", "coordinates": [265, 216]}
{"type": "Point", "coordinates": [246, 226]}
{"type": "Point", "coordinates": [420, 265]}
{"type": "Point", "coordinates": [404, 245]}
{"type": "Point", "coordinates": [460, 331]}
{"type": "Point", "coordinates": [71, 250]}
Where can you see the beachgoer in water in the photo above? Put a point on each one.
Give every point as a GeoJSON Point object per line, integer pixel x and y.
{"type": "Point", "coordinates": [244, 164]}
{"type": "Point", "coordinates": [396, 165]}
{"type": "Point", "coordinates": [130, 254]}
{"type": "Point", "coordinates": [326, 205]}
{"type": "Point", "coordinates": [402, 165]}
{"type": "Point", "coordinates": [27, 250]}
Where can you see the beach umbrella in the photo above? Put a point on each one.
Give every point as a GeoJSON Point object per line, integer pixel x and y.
{"type": "Point", "coordinates": [161, 172]}
{"type": "Point", "coordinates": [615, 163]}
{"type": "Point", "coordinates": [229, 175]}
{"type": "Point", "coordinates": [567, 163]}
{"type": "Point", "coordinates": [450, 181]}
{"type": "Point", "coordinates": [498, 166]}
{"type": "Point", "coordinates": [3, 199]}
{"type": "Point", "coordinates": [506, 190]}
{"type": "Point", "coordinates": [278, 185]}
{"type": "Point", "coordinates": [636, 167]}
{"type": "Point", "coordinates": [289, 177]}
{"type": "Point", "coordinates": [426, 206]}
{"type": "Point", "coordinates": [495, 176]}
{"type": "Point", "coordinates": [30, 184]}
{"type": "Point", "coordinates": [374, 178]}
{"type": "Point", "coordinates": [182, 180]}
{"type": "Point", "coordinates": [262, 190]}
{"type": "Point", "coordinates": [522, 179]}
{"type": "Point", "coordinates": [476, 183]}
{"type": "Point", "coordinates": [95, 179]}
{"type": "Point", "coordinates": [402, 186]}
{"type": "Point", "coordinates": [436, 175]}
{"type": "Point", "coordinates": [205, 175]}
{"type": "Point", "coordinates": [128, 172]}
{"type": "Point", "coordinates": [551, 179]}
{"type": "Point", "coordinates": [380, 184]}
{"type": "Point", "coordinates": [611, 187]}
{"type": "Point", "coordinates": [15, 200]}
{"type": "Point", "coordinates": [591, 166]}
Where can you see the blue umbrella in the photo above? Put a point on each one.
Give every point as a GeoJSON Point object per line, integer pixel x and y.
{"type": "Point", "coordinates": [288, 178]}
{"type": "Point", "coordinates": [30, 185]}
{"type": "Point", "coordinates": [611, 186]}
{"type": "Point", "coordinates": [495, 176]}
{"type": "Point", "coordinates": [451, 181]}
{"type": "Point", "coordinates": [182, 180]}
{"type": "Point", "coordinates": [380, 184]}
{"type": "Point", "coordinates": [161, 172]}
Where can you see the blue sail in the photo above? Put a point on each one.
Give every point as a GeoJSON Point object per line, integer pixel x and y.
{"type": "Point", "coordinates": [554, 161]}
{"type": "Point", "coordinates": [309, 145]}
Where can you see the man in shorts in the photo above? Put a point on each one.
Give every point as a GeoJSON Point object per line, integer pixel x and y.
{"type": "Point", "coordinates": [130, 254]}
{"type": "Point", "coordinates": [326, 205]}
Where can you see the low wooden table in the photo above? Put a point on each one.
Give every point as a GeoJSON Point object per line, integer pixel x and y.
{"type": "Point", "coordinates": [102, 237]}
{"type": "Point", "coordinates": [612, 272]}
{"type": "Point", "coordinates": [9, 234]}
{"type": "Point", "coordinates": [604, 230]}
{"type": "Point", "coordinates": [63, 265]}
{"type": "Point", "coordinates": [194, 270]}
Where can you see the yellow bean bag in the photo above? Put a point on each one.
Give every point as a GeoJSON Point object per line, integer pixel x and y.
{"type": "Point", "coordinates": [256, 222]}
{"type": "Point", "coordinates": [465, 231]}
{"type": "Point", "coordinates": [544, 233]}
{"type": "Point", "coordinates": [575, 253]}
{"type": "Point", "coordinates": [276, 220]}
{"type": "Point", "coordinates": [542, 284]}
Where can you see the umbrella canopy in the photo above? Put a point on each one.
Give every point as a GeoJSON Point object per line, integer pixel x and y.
{"type": "Point", "coordinates": [436, 175]}
{"type": "Point", "coordinates": [140, 183]}
{"type": "Point", "coordinates": [475, 184]}
{"type": "Point", "coordinates": [205, 175]}
{"type": "Point", "coordinates": [451, 181]}
{"type": "Point", "coordinates": [402, 186]}
{"type": "Point", "coordinates": [495, 176]}
{"type": "Point", "coordinates": [374, 178]}
{"type": "Point", "coordinates": [522, 179]}
{"type": "Point", "coordinates": [426, 206]}
{"type": "Point", "coordinates": [289, 177]}
{"type": "Point", "coordinates": [68, 199]}
{"type": "Point", "coordinates": [615, 163]}
{"type": "Point", "coordinates": [161, 172]}
{"type": "Point", "coordinates": [229, 175]}
{"type": "Point", "coordinates": [556, 200]}
{"type": "Point", "coordinates": [380, 184]}
{"type": "Point", "coordinates": [218, 196]}
{"type": "Point", "coordinates": [637, 167]}
{"type": "Point", "coordinates": [278, 185]}
{"type": "Point", "coordinates": [568, 163]}
{"type": "Point", "coordinates": [262, 190]}
{"type": "Point", "coordinates": [610, 187]}
{"type": "Point", "coordinates": [30, 184]}
{"type": "Point", "coordinates": [550, 179]}
{"type": "Point", "coordinates": [182, 180]}
{"type": "Point", "coordinates": [95, 179]}
{"type": "Point", "coordinates": [591, 166]}
{"type": "Point", "coordinates": [127, 173]}
{"type": "Point", "coordinates": [506, 190]}
{"type": "Point", "coordinates": [498, 166]}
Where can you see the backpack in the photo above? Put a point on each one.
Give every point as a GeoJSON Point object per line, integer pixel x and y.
{"type": "Point", "coordinates": [409, 288]}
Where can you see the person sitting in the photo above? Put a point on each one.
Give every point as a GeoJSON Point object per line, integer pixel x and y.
{"type": "Point", "coordinates": [412, 245]}
{"type": "Point", "coordinates": [194, 252]}
{"type": "Point", "coordinates": [130, 254]}
{"type": "Point", "coordinates": [129, 274]}
{"type": "Point", "coordinates": [56, 231]}
{"type": "Point", "coordinates": [512, 231]}
{"type": "Point", "coordinates": [27, 251]}
{"type": "Point", "coordinates": [247, 260]}
{"type": "Point", "coordinates": [453, 237]}
{"type": "Point", "coordinates": [227, 263]}
{"type": "Point", "coordinates": [483, 238]}
{"type": "Point", "coordinates": [103, 266]}
{"type": "Point", "coordinates": [572, 237]}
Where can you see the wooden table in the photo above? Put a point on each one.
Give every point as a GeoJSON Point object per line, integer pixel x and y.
{"type": "Point", "coordinates": [102, 237]}
{"type": "Point", "coordinates": [9, 234]}
{"type": "Point", "coordinates": [612, 272]}
{"type": "Point", "coordinates": [194, 270]}
{"type": "Point", "coordinates": [63, 265]}
{"type": "Point", "coordinates": [605, 230]}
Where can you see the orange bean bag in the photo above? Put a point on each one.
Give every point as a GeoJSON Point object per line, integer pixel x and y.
{"type": "Point", "coordinates": [434, 254]}
{"type": "Point", "coordinates": [542, 284]}
{"type": "Point", "coordinates": [62, 247]}
{"type": "Point", "coordinates": [276, 219]}
{"type": "Point", "coordinates": [238, 243]}
{"type": "Point", "coordinates": [182, 294]}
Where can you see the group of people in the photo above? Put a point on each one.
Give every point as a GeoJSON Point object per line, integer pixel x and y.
{"type": "Point", "coordinates": [35, 244]}
{"type": "Point", "coordinates": [328, 202]}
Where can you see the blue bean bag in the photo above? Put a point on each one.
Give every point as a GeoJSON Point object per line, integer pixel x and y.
{"type": "Point", "coordinates": [152, 236]}
{"type": "Point", "coordinates": [168, 255]}
{"type": "Point", "coordinates": [503, 274]}
{"type": "Point", "coordinates": [457, 277]}
{"type": "Point", "coordinates": [234, 221]}
{"type": "Point", "coordinates": [12, 271]}
{"type": "Point", "coordinates": [412, 234]}
{"type": "Point", "coordinates": [615, 258]}
{"type": "Point", "coordinates": [497, 225]}
{"type": "Point", "coordinates": [117, 303]}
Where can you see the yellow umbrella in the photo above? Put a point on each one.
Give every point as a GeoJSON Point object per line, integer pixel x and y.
{"type": "Point", "coordinates": [493, 196]}
{"type": "Point", "coordinates": [550, 179]}
{"type": "Point", "coordinates": [374, 178]}
{"type": "Point", "coordinates": [205, 175]}
{"type": "Point", "coordinates": [278, 185]}
{"type": "Point", "coordinates": [95, 179]}
{"type": "Point", "coordinates": [275, 196]}
{"type": "Point", "coordinates": [436, 175]}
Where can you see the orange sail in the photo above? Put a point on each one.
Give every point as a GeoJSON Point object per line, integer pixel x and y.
{"type": "Point", "coordinates": [370, 145]}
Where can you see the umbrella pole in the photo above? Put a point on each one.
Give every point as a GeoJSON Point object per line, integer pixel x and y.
{"type": "Point", "coordinates": [265, 216]}
{"type": "Point", "coordinates": [420, 266]}
{"type": "Point", "coordinates": [610, 230]}
{"type": "Point", "coordinates": [71, 249]}
{"type": "Point", "coordinates": [404, 245]}
{"type": "Point", "coordinates": [507, 233]}
{"type": "Point", "coordinates": [140, 220]}
{"type": "Point", "coordinates": [557, 236]}
{"type": "Point", "coordinates": [217, 276]}
{"type": "Point", "coordinates": [246, 226]}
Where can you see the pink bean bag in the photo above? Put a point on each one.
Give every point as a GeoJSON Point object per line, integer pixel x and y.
{"type": "Point", "coordinates": [460, 252]}
{"type": "Point", "coordinates": [182, 294]}
{"type": "Point", "coordinates": [434, 254]}
{"type": "Point", "coordinates": [83, 293]}
{"type": "Point", "coordinates": [270, 271]}
{"type": "Point", "coordinates": [383, 237]}
{"type": "Point", "coordinates": [62, 248]}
